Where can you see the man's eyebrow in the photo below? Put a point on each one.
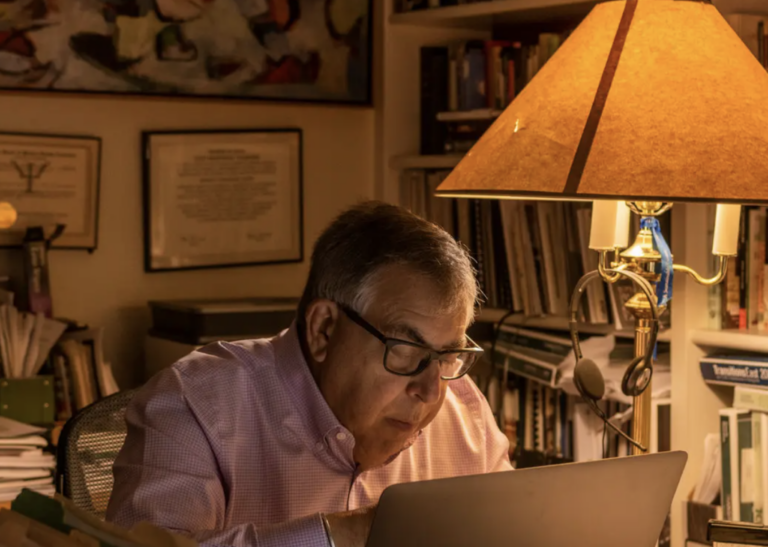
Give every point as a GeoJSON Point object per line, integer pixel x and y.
{"type": "Point", "coordinates": [409, 332]}
{"type": "Point", "coordinates": [415, 335]}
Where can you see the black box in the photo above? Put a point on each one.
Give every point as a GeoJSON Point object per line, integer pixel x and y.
{"type": "Point", "coordinates": [203, 321]}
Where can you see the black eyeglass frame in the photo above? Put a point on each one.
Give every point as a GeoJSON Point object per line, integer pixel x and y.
{"type": "Point", "coordinates": [434, 355]}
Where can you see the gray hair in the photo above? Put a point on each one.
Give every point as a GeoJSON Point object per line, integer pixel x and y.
{"type": "Point", "coordinates": [371, 236]}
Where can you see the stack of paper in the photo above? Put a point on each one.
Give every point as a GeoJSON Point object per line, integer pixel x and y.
{"type": "Point", "coordinates": [23, 464]}
{"type": "Point", "coordinates": [25, 339]}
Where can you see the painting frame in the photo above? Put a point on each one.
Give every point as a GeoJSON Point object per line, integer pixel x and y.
{"type": "Point", "coordinates": [359, 93]}
{"type": "Point", "coordinates": [89, 188]}
{"type": "Point", "coordinates": [153, 226]}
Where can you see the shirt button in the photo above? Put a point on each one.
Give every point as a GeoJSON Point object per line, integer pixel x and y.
{"type": "Point", "coordinates": [319, 446]}
{"type": "Point", "coordinates": [341, 436]}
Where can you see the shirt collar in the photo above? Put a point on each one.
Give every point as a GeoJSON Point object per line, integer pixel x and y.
{"type": "Point", "coordinates": [294, 370]}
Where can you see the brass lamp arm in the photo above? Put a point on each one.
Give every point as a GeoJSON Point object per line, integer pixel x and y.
{"type": "Point", "coordinates": [719, 276]}
{"type": "Point", "coordinates": [605, 271]}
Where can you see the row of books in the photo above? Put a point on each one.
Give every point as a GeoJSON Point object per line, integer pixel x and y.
{"type": "Point", "coordinates": [530, 390]}
{"type": "Point", "coordinates": [744, 456]}
{"type": "Point", "coordinates": [529, 255]}
{"type": "Point", "coordinates": [465, 85]}
{"type": "Point", "coordinates": [743, 433]}
{"type": "Point", "coordinates": [744, 301]}
{"type": "Point", "coordinates": [81, 375]}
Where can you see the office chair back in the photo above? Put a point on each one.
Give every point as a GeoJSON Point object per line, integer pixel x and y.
{"type": "Point", "coordinates": [88, 446]}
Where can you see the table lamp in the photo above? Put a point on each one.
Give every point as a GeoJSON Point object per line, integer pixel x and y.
{"type": "Point", "coordinates": [647, 103]}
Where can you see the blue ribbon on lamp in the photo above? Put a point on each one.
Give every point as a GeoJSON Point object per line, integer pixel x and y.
{"type": "Point", "coordinates": [664, 286]}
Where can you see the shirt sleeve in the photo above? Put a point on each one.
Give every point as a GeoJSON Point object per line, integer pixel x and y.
{"type": "Point", "coordinates": [167, 474]}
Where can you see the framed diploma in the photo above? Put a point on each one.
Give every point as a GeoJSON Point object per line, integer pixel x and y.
{"type": "Point", "coordinates": [50, 180]}
{"type": "Point", "coordinates": [222, 198]}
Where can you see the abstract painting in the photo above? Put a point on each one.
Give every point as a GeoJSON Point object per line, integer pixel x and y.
{"type": "Point", "coordinates": [306, 50]}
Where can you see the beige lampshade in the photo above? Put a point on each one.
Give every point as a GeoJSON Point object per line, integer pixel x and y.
{"type": "Point", "coordinates": [685, 119]}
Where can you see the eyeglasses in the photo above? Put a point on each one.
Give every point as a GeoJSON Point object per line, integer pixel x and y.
{"type": "Point", "coordinates": [406, 358]}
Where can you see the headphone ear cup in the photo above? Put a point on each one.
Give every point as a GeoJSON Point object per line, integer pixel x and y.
{"type": "Point", "coordinates": [637, 377]}
{"type": "Point", "coordinates": [588, 380]}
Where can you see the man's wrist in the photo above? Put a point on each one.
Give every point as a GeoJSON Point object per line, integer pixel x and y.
{"type": "Point", "coordinates": [327, 527]}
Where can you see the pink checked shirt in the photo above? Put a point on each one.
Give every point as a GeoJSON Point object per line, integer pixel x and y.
{"type": "Point", "coordinates": [235, 446]}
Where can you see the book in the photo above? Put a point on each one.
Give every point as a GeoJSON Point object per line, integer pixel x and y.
{"type": "Point", "coordinates": [734, 370]}
{"type": "Point", "coordinates": [729, 452]}
{"type": "Point", "coordinates": [729, 532]}
{"type": "Point", "coordinates": [750, 398]}
{"type": "Point", "coordinates": [757, 469]}
{"type": "Point", "coordinates": [434, 99]}
{"type": "Point", "coordinates": [746, 481]}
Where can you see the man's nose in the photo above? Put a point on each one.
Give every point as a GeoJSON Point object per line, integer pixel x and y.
{"type": "Point", "coordinates": [426, 385]}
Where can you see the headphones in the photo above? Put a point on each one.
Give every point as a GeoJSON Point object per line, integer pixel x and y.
{"type": "Point", "coordinates": [586, 375]}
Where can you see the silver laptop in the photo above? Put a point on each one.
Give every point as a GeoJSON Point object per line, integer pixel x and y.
{"type": "Point", "coordinates": [606, 503]}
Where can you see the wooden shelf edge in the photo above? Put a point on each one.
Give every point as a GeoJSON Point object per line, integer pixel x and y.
{"type": "Point", "coordinates": [491, 315]}
{"type": "Point", "coordinates": [484, 14]}
{"type": "Point", "coordinates": [415, 161]}
{"type": "Point", "coordinates": [744, 340]}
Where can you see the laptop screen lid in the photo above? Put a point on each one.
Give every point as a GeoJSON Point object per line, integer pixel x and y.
{"type": "Point", "coordinates": [604, 503]}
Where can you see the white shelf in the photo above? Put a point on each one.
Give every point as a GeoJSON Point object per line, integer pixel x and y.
{"type": "Point", "coordinates": [414, 161]}
{"type": "Point", "coordinates": [491, 315]}
{"type": "Point", "coordinates": [744, 340]}
{"type": "Point", "coordinates": [489, 13]}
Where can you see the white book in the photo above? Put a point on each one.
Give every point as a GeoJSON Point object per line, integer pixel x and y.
{"type": "Point", "coordinates": [729, 453]}
{"type": "Point", "coordinates": [750, 398]}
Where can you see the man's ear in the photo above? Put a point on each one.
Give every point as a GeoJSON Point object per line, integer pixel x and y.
{"type": "Point", "coordinates": [321, 319]}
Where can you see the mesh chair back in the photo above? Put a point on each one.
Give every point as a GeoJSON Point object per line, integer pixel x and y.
{"type": "Point", "coordinates": [88, 446]}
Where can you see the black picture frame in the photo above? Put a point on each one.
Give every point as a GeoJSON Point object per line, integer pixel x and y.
{"type": "Point", "coordinates": [53, 145]}
{"type": "Point", "coordinates": [248, 71]}
{"type": "Point", "coordinates": [210, 136]}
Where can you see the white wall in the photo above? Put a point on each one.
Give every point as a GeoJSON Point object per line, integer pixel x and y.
{"type": "Point", "coordinates": [109, 287]}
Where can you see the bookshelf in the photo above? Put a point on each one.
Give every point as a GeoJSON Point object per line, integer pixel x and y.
{"type": "Point", "coordinates": [731, 339]}
{"type": "Point", "coordinates": [695, 405]}
{"type": "Point", "coordinates": [416, 161]}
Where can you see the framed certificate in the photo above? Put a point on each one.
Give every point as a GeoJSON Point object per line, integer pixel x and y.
{"type": "Point", "coordinates": [222, 198]}
{"type": "Point", "coordinates": [51, 180]}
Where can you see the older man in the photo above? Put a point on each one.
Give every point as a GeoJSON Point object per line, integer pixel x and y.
{"type": "Point", "coordinates": [290, 441]}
